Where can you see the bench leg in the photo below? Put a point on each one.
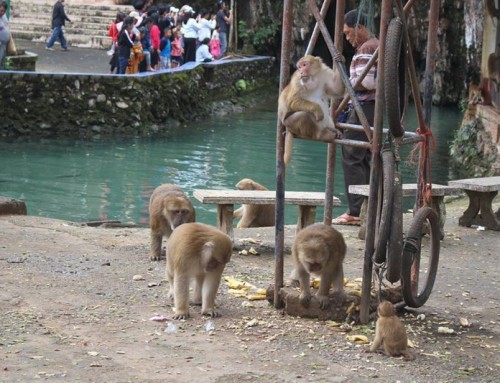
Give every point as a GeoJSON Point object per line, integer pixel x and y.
{"type": "Point", "coordinates": [480, 211]}
{"type": "Point", "coordinates": [307, 215]}
{"type": "Point", "coordinates": [225, 219]}
{"type": "Point", "coordinates": [440, 208]}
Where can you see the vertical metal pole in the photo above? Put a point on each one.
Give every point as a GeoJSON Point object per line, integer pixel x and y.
{"type": "Point", "coordinates": [286, 47]}
{"type": "Point", "coordinates": [386, 11]}
{"type": "Point", "coordinates": [332, 148]}
{"type": "Point", "coordinates": [430, 64]}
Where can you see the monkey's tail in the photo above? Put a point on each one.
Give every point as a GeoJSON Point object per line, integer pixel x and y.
{"type": "Point", "coordinates": [287, 157]}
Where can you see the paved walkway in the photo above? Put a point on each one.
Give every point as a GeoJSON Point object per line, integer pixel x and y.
{"type": "Point", "coordinates": [76, 60]}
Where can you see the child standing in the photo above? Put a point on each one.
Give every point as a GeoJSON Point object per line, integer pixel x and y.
{"type": "Point", "coordinates": [177, 49]}
{"type": "Point", "coordinates": [215, 43]}
{"type": "Point", "coordinates": [166, 49]}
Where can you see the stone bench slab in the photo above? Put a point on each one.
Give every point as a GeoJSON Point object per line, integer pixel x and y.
{"type": "Point", "coordinates": [481, 192]}
{"type": "Point", "coordinates": [226, 199]}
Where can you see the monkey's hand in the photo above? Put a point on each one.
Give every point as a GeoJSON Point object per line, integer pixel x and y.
{"type": "Point", "coordinates": [305, 299]}
{"type": "Point", "coordinates": [210, 313]}
{"type": "Point", "coordinates": [319, 115]}
{"type": "Point", "coordinates": [338, 57]}
{"type": "Point", "coordinates": [323, 300]}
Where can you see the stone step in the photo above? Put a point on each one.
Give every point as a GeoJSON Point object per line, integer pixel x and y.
{"type": "Point", "coordinates": [70, 27]}
{"type": "Point", "coordinates": [82, 41]}
{"type": "Point", "coordinates": [31, 19]}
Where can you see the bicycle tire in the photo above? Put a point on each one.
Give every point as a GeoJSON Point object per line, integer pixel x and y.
{"type": "Point", "coordinates": [384, 224]}
{"type": "Point", "coordinates": [391, 76]}
{"type": "Point", "coordinates": [395, 244]}
{"type": "Point", "coordinates": [412, 255]}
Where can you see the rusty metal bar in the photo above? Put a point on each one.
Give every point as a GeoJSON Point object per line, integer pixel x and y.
{"type": "Point", "coordinates": [286, 45]}
{"type": "Point", "coordinates": [332, 147]}
{"type": "Point", "coordinates": [340, 68]}
{"type": "Point", "coordinates": [314, 37]}
{"type": "Point", "coordinates": [430, 64]}
{"type": "Point", "coordinates": [386, 12]}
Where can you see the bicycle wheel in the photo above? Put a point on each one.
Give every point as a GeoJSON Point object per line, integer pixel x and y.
{"type": "Point", "coordinates": [395, 245]}
{"type": "Point", "coordinates": [392, 74]}
{"type": "Point", "coordinates": [413, 258]}
{"type": "Point", "coordinates": [384, 225]}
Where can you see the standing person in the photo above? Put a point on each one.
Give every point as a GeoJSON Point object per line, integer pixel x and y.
{"type": "Point", "coordinates": [114, 32]}
{"type": "Point", "coordinates": [166, 49]}
{"type": "Point", "coordinates": [207, 25]}
{"type": "Point", "coordinates": [59, 19]}
{"type": "Point", "coordinates": [146, 42]}
{"type": "Point", "coordinates": [125, 44]}
{"type": "Point", "coordinates": [177, 49]}
{"type": "Point", "coordinates": [223, 20]}
{"type": "Point", "coordinates": [190, 28]}
{"type": "Point", "coordinates": [215, 43]}
{"type": "Point", "coordinates": [155, 35]}
{"type": "Point", "coordinates": [4, 34]}
{"type": "Point", "coordinates": [356, 161]}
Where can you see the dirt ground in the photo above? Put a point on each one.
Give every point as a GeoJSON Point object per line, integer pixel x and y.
{"type": "Point", "coordinates": [76, 304]}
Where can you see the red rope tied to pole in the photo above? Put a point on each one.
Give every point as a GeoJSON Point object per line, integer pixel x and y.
{"type": "Point", "coordinates": [424, 165]}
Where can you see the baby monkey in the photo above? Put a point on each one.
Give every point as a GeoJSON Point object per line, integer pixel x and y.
{"type": "Point", "coordinates": [390, 333]}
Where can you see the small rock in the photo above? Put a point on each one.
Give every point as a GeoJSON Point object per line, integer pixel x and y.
{"type": "Point", "coordinates": [138, 277]}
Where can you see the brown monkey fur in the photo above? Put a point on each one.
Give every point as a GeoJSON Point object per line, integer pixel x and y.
{"type": "Point", "coordinates": [319, 249]}
{"type": "Point", "coordinates": [303, 106]}
{"type": "Point", "coordinates": [254, 215]}
{"type": "Point", "coordinates": [196, 251]}
{"type": "Point", "coordinates": [169, 207]}
{"type": "Point", "coordinates": [390, 333]}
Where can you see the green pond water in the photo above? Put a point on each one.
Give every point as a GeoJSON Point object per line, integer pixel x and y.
{"type": "Point", "coordinates": [112, 178]}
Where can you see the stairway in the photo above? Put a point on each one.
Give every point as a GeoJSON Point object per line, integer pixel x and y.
{"type": "Point", "coordinates": [31, 19]}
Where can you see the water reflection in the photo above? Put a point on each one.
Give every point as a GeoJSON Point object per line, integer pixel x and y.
{"type": "Point", "coordinates": [112, 179]}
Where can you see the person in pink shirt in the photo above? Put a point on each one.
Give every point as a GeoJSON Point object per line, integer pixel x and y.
{"type": "Point", "coordinates": [177, 50]}
{"type": "Point", "coordinates": [155, 36]}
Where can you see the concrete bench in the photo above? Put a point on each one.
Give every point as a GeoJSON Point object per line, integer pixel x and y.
{"type": "Point", "coordinates": [481, 192]}
{"type": "Point", "coordinates": [226, 199]}
{"type": "Point", "coordinates": [409, 190]}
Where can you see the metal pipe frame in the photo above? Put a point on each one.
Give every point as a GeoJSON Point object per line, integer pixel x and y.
{"type": "Point", "coordinates": [286, 45]}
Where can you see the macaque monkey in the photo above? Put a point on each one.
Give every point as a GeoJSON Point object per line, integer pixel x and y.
{"type": "Point", "coordinates": [169, 207]}
{"type": "Point", "coordinates": [303, 106]}
{"type": "Point", "coordinates": [390, 332]}
{"type": "Point", "coordinates": [319, 249]}
{"type": "Point", "coordinates": [198, 251]}
{"type": "Point", "coordinates": [254, 215]}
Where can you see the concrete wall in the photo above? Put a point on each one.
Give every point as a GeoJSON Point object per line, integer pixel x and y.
{"type": "Point", "coordinates": [45, 104]}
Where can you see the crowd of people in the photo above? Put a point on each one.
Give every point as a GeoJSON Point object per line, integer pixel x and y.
{"type": "Point", "coordinates": [155, 37]}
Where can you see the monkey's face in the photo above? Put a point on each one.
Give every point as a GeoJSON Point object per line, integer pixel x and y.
{"type": "Point", "coordinates": [304, 66]}
{"type": "Point", "coordinates": [313, 257]}
{"type": "Point", "coordinates": [178, 211]}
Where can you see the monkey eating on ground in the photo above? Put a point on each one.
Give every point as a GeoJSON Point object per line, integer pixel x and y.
{"type": "Point", "coordinates": [319, 249]}
{"type": "Point", "coordinates": [169, 207]}
{"type": "Point", "coordinates": [196, 251]}
{"type": "Point", "coordinates": [254, 215]}
{"type": "Point", "coordinates": [390, 333]}
{"type": "Point", "coordinates": [303, 106]}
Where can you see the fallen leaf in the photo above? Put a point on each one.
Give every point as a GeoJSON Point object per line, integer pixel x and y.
{"type": "Point", "coordinates": [359, 339]}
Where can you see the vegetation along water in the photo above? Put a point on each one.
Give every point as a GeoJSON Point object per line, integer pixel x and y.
{"type": "Point", "coordinates": [112, 178]}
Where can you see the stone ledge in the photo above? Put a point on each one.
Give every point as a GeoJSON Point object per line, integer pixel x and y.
{"type": "Point", "coordinates": [10, 206]}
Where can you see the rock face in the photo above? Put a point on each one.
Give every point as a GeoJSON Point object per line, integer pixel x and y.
{"type": "Point", "coordinates": [39, 104]}
{"type": "Point", "coordinates": [10, 206]}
